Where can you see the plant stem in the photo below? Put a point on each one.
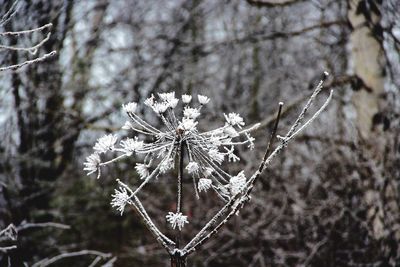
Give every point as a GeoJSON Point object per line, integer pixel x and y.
{"type": "Point", "coordinates": [180, 189]}
{"type": "Point", "coordinates": [176, 259]}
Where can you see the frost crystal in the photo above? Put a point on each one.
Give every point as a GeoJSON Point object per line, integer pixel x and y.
{"type": "Point", "coordinates": [127, 125]}
{"type": "Point", "coordinates": [203, 99]}
{"type": "Point", "coordinates": [234, 119]}
{"type": "Point", "coordinates": [191, 113]}
{"type": "Point", "coordinates": [130, 107]}
{"type": "Point", "coordinates": [92, 163]}
{"type": "Point", "coordinates": [166, 165]}
{"type": "Point", "coordinates": [188, 124]}
{"type": "Point", "coordinates": [176, 219]}
{"type": "Point", "coordinates": [237, 183]}
{"type": "Point", "coordinates": [105, 143]}
{"type": "Point", "coordinates": [186, 99]}
{"type": "Point", "coordinates": [142, 170]}
{"type": "Point", "coordinates": [192, 167]}
{"type": "Point", "coordinates": [130, 145]}
{"type": "Point", "coordinates": [119, 199]}
{"type": "Point", "coordinates": [204, 184]}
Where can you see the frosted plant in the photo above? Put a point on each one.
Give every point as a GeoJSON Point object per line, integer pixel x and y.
{"type": "Point", "coordinates": [120, 199]}
{"type": "Point", "coordinates": [204, 184]}
{"type": "Point", "coordinates": [176, 219]}
{"type": "Point", "coordinates": [159, 150]}
{"type": "Point", "coordinates": [206, 150]}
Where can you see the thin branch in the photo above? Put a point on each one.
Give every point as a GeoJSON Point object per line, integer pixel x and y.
{"type": "Point", "coordinates": [46, 262]}
{"type": "Point", "coordinates": [136, 203]}
{"type": "Point", "coordinates": [237, 202]}
{"type": "Point", "coordinates": [28, 62]}
{"type": "Point", "coordinates": [48, 25]}
{"type": "Point", "coordinates": [190, 248]}
{"type": "Point", "coordinates": [25, 225]}
{"type": "Point", "coordinates": [32, 49]}
{"type": "Point", "coordinates": [272, 138]}
{"type": "Point", "coordinates": [10, 13]}
{"type": "Point", "coordinates": [5, 249]}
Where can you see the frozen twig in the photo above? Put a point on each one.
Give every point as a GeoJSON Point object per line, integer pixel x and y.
{"type": "Point", "coordinates": [236, 203]}
{"type": "Point", "coordinates": [28, 62]}
{"type": "Point", "coordinates": [47, 261]}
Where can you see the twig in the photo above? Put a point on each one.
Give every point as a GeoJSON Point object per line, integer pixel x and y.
{"type": "Point", "coordinates": [5, 249]}
{"type": "Point", "coordinates": [25, 225]}
{"type": "Point", "coordinates": [272, 138]}
{"type": "Point", "coordinates": [46, 262]}
{"type": "Point", "coordinates": [8, 15]}
{"type": "Point", "coordinates": [237, 202]}
{"type": "Point", "coordinates": [19, 65]}
{"type": "Point", "coordinates": [48, 25]}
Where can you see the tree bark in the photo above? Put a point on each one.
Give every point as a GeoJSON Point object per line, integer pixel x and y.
{"type": "Point", "coordinates": [367, 57]}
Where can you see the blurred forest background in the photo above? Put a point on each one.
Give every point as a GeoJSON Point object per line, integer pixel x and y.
{"type": "Point", "coordinates": [330, 199]}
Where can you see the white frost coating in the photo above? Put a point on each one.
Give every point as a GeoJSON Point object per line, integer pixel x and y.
{"type": "Point", "coordinates": [186, 99]}
{"type": "Point", "coordinates": [130, 107]}
{"type": "Point", "coordinates": [119, 199]}
{"type": "Point", "coordinates": [105, 143]}
{"type": "Point", "coordinates": [176, 220]}
{"type": "Point", "coordinates": [204, 184]}
{"type": "Point", "coordinates": [92, 163]}
{"type": "Point", "coordinates": [192, 167]}
{"type": "Point", "coordinates": [142, 170]}
{"type": "Point", "coordinates": [131, 145]}
{"type": "Point", "coordinates": [203, 99]}
{"type": "Point", "coordinates": [237, 183]}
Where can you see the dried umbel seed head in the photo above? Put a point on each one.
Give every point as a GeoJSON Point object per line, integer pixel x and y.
{"type": "Point", "coordinates": [206, 150]}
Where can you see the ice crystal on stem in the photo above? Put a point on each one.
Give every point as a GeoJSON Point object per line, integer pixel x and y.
{"type": "Point", "coordinates": [176, 220]}
{"type": "Point", "coordinates": [119, 199]}
{"type": "Point", "coordinates": [92, 163]}
{"type": "Point", "coordinates": [105, 143]}
{"type": "Point", "coordinates": [204, 184]}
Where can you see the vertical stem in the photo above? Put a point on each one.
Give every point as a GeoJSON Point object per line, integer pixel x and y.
{"type": "Point", "coordinates": [178, 261]}
{"type": "Point", "coordinates": [180, 191]}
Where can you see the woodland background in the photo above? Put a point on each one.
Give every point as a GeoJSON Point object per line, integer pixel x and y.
{"type": "Point", "coordinates": [331, 199]}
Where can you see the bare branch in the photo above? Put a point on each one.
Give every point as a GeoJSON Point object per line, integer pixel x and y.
{"type": "Point", "coordinates": [28, 62]}
{"type": "Point", "coordinates": [47, 261]}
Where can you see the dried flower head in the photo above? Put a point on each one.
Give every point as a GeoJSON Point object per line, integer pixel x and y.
{"type": "Point", "coordinates": [204, 184]}
{"type": "Point", "coordinates": [92, 163]}
{"type": "Point", "coordinates": [159, 147]}
{"type": "Point", "coordinates": [186, 99]}
{"type": "Point", "coordinates": [176, 220]}
{"type": "Point", "coordinates": [237, 183]}
{"type": "Point", "coordinates": [105, 143]}
{"type": "Point", "coordinates": [130, 107]}
{"type": "Point", "coordinates": [119, 199]}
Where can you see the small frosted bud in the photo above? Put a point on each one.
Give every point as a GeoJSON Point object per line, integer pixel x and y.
{"type": "Point", "coordinates": [130, 107]}
{"type": "Point", "coordinates": [186, 99]}
{"type": "Point", "coordinates": [192, 167]}
{"type": "Point", "coordinates": [203, 99]}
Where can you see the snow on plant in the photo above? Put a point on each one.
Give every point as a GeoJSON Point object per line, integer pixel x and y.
{"type": "Point", "coordinates": [206, 150]}
{"type": "Point", "coordinates": [159, 150]}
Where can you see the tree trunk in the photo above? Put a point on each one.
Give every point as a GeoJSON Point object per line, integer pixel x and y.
{"type": "Point", "coordinates": [368, 64]}
{"type": "Point", "coordinates": [367, 57]}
